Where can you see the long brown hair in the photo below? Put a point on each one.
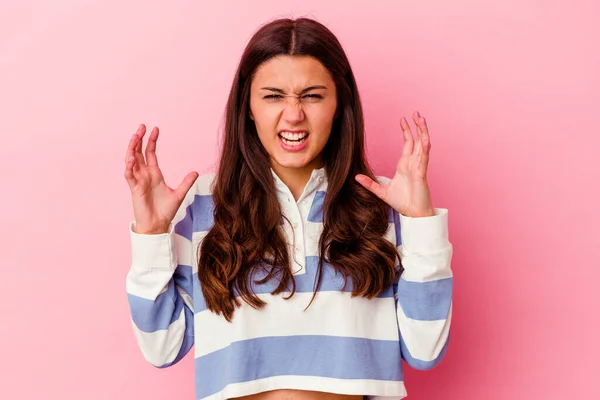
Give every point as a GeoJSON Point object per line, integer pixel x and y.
{"type": "Point", "coordinates": [247, 234]}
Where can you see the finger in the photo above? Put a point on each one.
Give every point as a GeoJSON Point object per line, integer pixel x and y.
{"type": "Point", "coordinates": [418, 147]}
{"type": "Point", "coordinates": [131, 149]}
{"type": "Point", "coordinates": [426, 144]}
{"type": "Point", "coordinates": [407, 149]}
{"type": "Point", "coordinates": [151, 148]}
{"type": "Point", "coordinates": [416, 117]}
{"type": "Point", "coordinates": [186, 184]}
{"type": "Point", "coordinates": [418, 142]}
{"type": "Point", "coordinates": [135, 141]}
{"type": "Point", "coordinates": [132, 143]}
{"type": "Point", "coordinates": [371, 185]}
{"type": "Point", "coordinates": [139, 157]}
{"type": "Point", "coordinates": [424, 128]}
{"type": "Point", "coordinates": [129, 175]}
{"type": "Point", "coordinates": [424, 159]}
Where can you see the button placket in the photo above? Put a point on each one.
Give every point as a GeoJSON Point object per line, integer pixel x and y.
{"type": "Point", "coordinates": [297, 212]}
{"type": "Point", "coordinates": [298, 237]}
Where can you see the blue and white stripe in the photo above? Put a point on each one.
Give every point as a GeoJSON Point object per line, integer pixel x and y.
{"type": "Point", "coordinates": [341, 344]}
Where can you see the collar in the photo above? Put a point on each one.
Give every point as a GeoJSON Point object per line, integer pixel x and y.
{"type": "Point", "coordinates": [318, 178]}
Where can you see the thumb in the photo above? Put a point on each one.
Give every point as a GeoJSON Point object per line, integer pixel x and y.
{"type": "Point", "coordinates": [186, 184]}
{"type": "Point", "coordinates": [371, 185]}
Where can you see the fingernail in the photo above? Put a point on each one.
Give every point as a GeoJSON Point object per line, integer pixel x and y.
{"type": "Point", "coordinates": [418, 115]}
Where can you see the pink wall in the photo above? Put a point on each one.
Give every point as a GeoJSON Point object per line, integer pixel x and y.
{"type": "Point", "coordinates": [511, 93]}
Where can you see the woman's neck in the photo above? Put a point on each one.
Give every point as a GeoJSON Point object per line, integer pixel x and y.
{"type": "Point", "coordinates": [296, 178]}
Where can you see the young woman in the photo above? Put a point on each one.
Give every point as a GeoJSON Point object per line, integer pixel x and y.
{"type": "Point", "coordinates": [294, 271]}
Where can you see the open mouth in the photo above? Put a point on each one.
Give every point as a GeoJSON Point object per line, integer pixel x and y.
{"type": "Point", "coordinates": [292, 138]}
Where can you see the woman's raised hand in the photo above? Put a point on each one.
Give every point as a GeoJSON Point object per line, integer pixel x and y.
{"type": "Point", "coordinates": [408, 192]}
{"type": "Point", "coordinates": [154, 203]}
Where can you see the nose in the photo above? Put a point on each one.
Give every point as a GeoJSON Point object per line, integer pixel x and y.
{"type": "Point", "coordinates": [293, 112]}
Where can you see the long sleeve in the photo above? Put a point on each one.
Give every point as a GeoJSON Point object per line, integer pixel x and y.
{"type": "Point", "coordinates": [424, 303]}
{"type": "Point", "coordinates": [160, 289]}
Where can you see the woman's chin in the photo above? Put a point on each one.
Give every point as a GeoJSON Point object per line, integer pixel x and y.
{"type": "Point", "coordinates": [293, 161]}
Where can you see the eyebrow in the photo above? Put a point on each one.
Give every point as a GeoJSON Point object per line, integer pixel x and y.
{"type": "Point", "coordinates": [308, 89]}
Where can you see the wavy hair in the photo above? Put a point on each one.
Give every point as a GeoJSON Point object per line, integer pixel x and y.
{"type": "Point", "coordinates": [246, 239]}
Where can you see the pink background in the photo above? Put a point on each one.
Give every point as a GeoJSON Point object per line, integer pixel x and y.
{"type": "Point", "coordinates": [511, 92]}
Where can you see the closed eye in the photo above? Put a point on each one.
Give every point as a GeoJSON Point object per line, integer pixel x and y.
{"type": "Point", "coordinates": [273, 96]}
{"type": "Point", "coordinates": [306, 96]}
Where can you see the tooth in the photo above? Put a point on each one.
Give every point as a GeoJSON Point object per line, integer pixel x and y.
{"type": "Point", "coordinates": [293, 136]}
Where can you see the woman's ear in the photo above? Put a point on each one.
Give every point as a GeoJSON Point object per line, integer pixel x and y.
{"type": "Point", "coordinates": [250, 115]}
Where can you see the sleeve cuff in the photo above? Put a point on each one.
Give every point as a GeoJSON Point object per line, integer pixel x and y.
{"type": "Point", "coordinates": [425, 233]}
{"type": "Point", "coordinates": [153, 251]}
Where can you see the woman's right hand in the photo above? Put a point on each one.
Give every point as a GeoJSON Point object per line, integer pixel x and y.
{"type": "Point", "coordinates": [154, 203]}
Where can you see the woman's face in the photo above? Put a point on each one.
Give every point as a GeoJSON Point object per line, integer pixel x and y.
{"type": "Point", "coordinates": [293, 103]}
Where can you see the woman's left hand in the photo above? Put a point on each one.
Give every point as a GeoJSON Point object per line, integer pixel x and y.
{"type": "Point", "coordinates": [408, 192]}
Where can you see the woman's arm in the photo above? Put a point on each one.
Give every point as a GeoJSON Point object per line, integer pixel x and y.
{"type": "Point", "coordinates": [159, 289]}
{"type": "Point", "coordinates": [424, 302]}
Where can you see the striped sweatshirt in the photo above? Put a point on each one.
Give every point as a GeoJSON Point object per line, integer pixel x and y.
{"type": "Point", "coordinates": [340, 344]}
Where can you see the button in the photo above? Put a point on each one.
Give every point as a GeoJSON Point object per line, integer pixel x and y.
{"type": "Point", "coordinates": [297, 250]}
{"type": "Point", "coordinates": [320, 179]}
{"type": "Point", "coordinates": [295, 224]}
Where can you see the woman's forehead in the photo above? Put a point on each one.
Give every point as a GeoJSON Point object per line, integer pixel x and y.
{"type": "Point", "coordinates": [291, 73]}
